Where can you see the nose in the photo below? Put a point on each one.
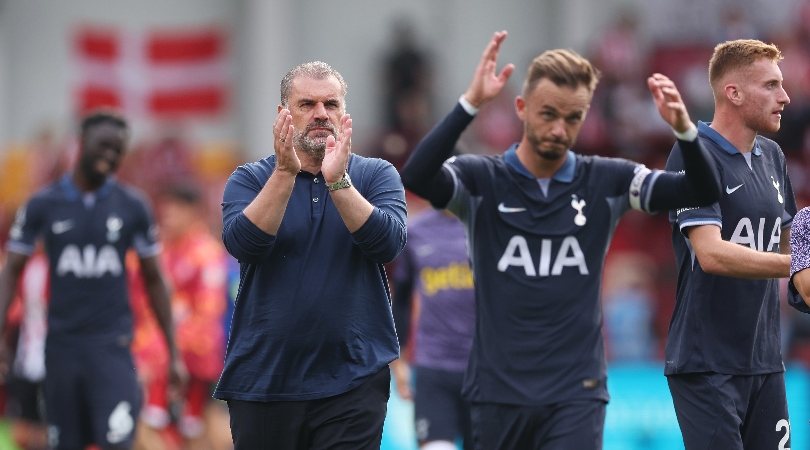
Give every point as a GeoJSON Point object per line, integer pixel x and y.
{"type": "Point", "coordinates": [558, 129]}
{"type": "Point", "coordinates": [320, 110]}
{"type": "Point", "coordinates": [784, 99]}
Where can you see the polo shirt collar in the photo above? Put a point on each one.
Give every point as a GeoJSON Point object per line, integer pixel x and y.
{"type": "Point", "coordinates": [74, 193]}
{"type": "Point", "coordinates": [565, 174]}
{"type": "Point", "coordinates": [722, 142]}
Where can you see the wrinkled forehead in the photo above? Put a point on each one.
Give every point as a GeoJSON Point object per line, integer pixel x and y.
{"type": "Point", "coordinates": [304, 86]}
{"type": "Point", "coordinates": [565, 99]}
{"type": "Point", "coordinates": [106, 130]}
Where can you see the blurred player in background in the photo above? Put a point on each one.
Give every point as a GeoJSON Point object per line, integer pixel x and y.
{"type": "Point", "coordinates": [723, 356]}
{"type": "Point", "coordinates": [87, 221]}
{"type": "Point", "coordinates": [194, 262]}
{"type": "Point", "coordinates": [435, 265]}
{"type": "Point", "coordinates": [539, 220]}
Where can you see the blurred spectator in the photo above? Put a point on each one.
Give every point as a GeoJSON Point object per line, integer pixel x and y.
{"type": "Point", "coordinates": [26, 327]}
{"type": "Point", "coordinates": [619, 51]}
{"type": "Point", "coordinates": [195, 263]}
{"type": "Point", "coordinates": [410, 123]}
{"type": "Point", "coordinates": [406, 69]}
{"type": "Point", "coordinates": [629, 308]}
{"type": "Point", "coordinates": [734, 24]}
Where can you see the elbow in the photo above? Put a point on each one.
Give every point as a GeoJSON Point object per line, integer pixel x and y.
{"type": "Point", "coordinates": [710, 264]}
{"type": "Point", "coordinates": [801, 280]}
{"type": "Point", "coordinates": [396, 243]}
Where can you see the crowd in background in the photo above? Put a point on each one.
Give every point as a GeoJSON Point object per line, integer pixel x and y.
{"type": "Point", "coordinates": [640, 274]}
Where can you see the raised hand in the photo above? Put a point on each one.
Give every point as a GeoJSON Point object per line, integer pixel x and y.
{"type": "Point", "coordinates": [485, 84]}
{"type": "Point", "coordinates": [336, 156]}
{"type": "Point", "coordinates": [286, 158]}
{"type": "Point", "coordinates": [669, 102]}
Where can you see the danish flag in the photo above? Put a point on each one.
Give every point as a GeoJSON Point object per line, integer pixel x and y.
{"type": "Point", "coordinates": [164, 73]}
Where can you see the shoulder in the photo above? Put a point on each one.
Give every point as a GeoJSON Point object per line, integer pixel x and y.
{"type": "Point", "coordinates": [608, 164]}
{"type": "Point", "coordinates": [424, 219]}
{"type": "Point", "coordinates": [802, 218]}
{"type": "Point", "coordinates": [469, 162]}
{"type": "Point", "coordinates": [44, 197]}
{"type": "Point", "coordinates": [770, 148]}
{"type": "Point", "coordinates": [130, 193]}
{"type": "Point", "coordinates": [259, 170]}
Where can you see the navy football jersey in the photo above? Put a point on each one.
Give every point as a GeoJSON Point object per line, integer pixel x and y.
{"type": "Point", "coordinates": [86, 237]}
{"type": "Point", "coordinates": [723, 324]}
{"type": "Point", "coordinates": [537, 262]}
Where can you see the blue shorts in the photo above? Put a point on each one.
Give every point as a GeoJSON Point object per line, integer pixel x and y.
{"type": "Point", "coordinates": [578, 424]}
{"type": "Point", "coordinates": [440, 412]}
{"type": "Point", "coordinates": [92, 394]}
{"type": "Point", "coordinates": [731, 412]}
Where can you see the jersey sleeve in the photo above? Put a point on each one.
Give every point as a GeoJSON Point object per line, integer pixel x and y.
{"type": "Point", "coordinates": [790, 200]}
{"type": "Point", "coordinates": [799, 256]}
{"type": "Point", "coordinates": [468, 172]}
{"type": "Point", "coordinates": [27, 227]}
{"type": "Point", "coordinates": [631, 180]}
{"type": "Point", "coordinates": [145, 238]}
{"type": "Point", "coordinates": [693, 216]}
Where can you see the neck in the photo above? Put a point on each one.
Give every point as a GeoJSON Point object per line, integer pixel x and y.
{"type": "Point", "coordinates": [734, 130]}
{"type": "Point", "coordinates": [83, 183]}
{"type": "Point", "coordinates": [308, 163]}
{"type": "Point", "coordinates": [537, 165]}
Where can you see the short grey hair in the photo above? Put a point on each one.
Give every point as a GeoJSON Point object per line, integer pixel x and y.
{"type": "Point", "coordinates": [316, 69]}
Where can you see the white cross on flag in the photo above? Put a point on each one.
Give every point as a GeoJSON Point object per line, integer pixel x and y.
{"type": "Point", "coordinates": [175, 73]}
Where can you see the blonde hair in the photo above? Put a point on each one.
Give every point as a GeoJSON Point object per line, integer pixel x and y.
{"type": "Point", "coordinates": [735, 55]}
{"type": "Point", "coordinates": [563, 68]}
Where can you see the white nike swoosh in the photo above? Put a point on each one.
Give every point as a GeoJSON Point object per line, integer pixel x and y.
{"type": "Point", "coordinates": [730, 190]}
{"type": "Point", "coordinates": [62, 226]}
{"type": "Point", "coordinates": [505, 209]}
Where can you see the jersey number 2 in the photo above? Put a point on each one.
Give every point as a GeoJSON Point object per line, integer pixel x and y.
{"type": "Point", "coordinates": [786, 425]}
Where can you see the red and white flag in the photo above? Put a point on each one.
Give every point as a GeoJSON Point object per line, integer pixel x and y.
{"type": "Point", "coordinates": [159, 73]}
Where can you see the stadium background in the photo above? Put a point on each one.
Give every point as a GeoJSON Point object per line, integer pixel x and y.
{"type": "Point", "coordinates": [199, 81]}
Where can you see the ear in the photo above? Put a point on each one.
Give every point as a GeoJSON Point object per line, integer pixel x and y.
{"type": "Point", "coordinates": [733, 94]}
{"type": "Point", "coordinates": [280, 107]}
{"type": "Point", "coordinates": [520, 107]}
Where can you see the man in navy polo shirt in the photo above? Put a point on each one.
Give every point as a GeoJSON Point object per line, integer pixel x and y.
{"type": "Point", "coordinates": [312, 331]}
{"type": "Point", "coordinates": [539, 220]}
{"type": "Point", "coordinates": [723, 356]}
{"type": "Point", "coordinates": [88, 221]}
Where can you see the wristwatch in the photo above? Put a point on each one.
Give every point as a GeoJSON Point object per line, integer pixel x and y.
{"type": "Point", "coordinates": [340, 184]}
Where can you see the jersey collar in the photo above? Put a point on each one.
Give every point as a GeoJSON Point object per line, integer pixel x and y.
{"type": "Point", "coordinates": [564, 175]}
{"type": "Point", "coordinates": [72, 192]}
{"type": "Point", "coordinates": [722, 142]}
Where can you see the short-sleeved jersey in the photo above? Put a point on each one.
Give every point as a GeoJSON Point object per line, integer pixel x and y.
{"type": "Point", "coordinates": [435, 260]}
{"type": "Point", "coordinates": [86, 238]}
{"type": "Point", "coordinates": [723, 324]}
{"type": "Point", "coordinates": [537, 262]}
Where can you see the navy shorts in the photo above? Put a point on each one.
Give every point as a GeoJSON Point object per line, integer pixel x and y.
{"type": "Point", "coordinates": [351, 421]}
{"type": "Point", "coordinates": [576, 424]}
{"type": "Point", "coordinates": [731, 412]}
{"type": "Point", "coordinates": [440, 412]}
{"type": "Point", "coordinates": [92, 394]}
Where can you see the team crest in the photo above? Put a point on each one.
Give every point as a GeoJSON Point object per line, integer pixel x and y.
{"type": "Point", "coordinates": [776, 186]}
{"type": "Point", "coordinates": [114, 225]}
{"type": "Point", "coordinates": [578, 204]}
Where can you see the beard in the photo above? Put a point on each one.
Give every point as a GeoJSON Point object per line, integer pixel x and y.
{"type": "Point", "coordinates": [551, 155]}
{"type": "Point", "coordinates": [314, 147]}
{"type": "Point", "coordinates": [87, 165]}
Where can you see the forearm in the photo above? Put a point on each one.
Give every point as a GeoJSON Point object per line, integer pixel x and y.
{"type": "Point", "coordinates": [422, 174]}
{"type": "Point", "coordinates": [159, 299]}
{"type": "Point", "coordinates": [699, 185]}
{"type": "Point", "coordinates": [734, 260]}
{"type": "Point", "coordinates": [267, 210]}
{"type": "Point", "coordinates": [801, 280]}
{"type": "Point", "coordinates": [353, 208]}
{"type": "Point", "coordinates": [9, 278]}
